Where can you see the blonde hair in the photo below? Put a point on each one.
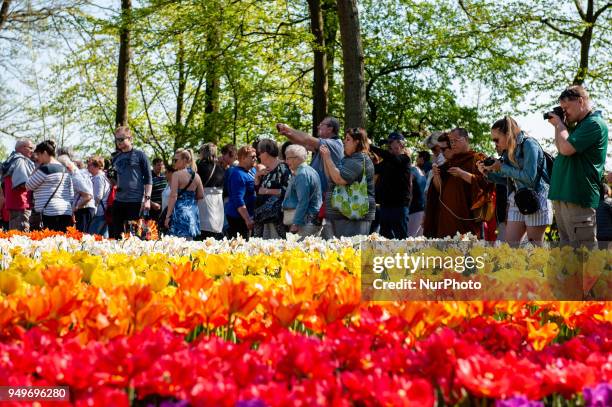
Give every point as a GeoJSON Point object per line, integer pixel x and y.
{"type": "Point", "coordinates": [509, 128]}
{"type": "Point", "coordinates": [244, 151]}
{"type": "Point", "coordinates": [125, 130]}
{"type": "Point", "coordinates": [96, 161]}
{"type": "Point", "coordinates": [187, 155]}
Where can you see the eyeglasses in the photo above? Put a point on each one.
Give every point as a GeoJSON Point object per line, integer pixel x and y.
{"type": "Point", "coordinates": [120, 139]}
{"type": "Point", "coordinates": [253, 157]}
{"type": "Point", "coordinates": [290, 158]}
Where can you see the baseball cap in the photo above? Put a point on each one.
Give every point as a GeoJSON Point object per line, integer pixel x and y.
{"type": "Point", "coordinates": [396, 136]}
{"type": "Point", "coordinates": [431, 140]}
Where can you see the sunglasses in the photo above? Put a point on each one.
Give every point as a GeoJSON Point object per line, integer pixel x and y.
{"type": "Point", "coordinates": [120, 139]}
{"type": "Point", "coordinates": [354, 132]}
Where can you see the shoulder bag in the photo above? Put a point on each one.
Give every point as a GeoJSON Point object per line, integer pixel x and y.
{"type": "Point", "coordinates": [526, 199]}
{"type": "Point", "coordinates": [352, 200]}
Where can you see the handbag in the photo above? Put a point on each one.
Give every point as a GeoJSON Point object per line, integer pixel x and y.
{"type": "Point", "coordinates": [352, 200]}
{"type": "Point", "coordinates": [526, 199]}
{"type": "Point", "coordinates": [288, 216]}
{"type": "Point", "coordinates": [269, 211]}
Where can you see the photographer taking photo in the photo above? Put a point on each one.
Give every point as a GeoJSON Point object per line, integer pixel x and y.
{"type": "Point", "coordinates": [577, 170]}
{"type": "Point", "coordinates": [522, 169]}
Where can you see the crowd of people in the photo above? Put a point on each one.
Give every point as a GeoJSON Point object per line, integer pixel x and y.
{"type": "Point", "coordinates": [351, 186]}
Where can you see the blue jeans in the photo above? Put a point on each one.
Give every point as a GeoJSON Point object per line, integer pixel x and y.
{"type": "Point", "coordinates": [98, 226]}
{"type": "Point", "coordinates": [394, 222]}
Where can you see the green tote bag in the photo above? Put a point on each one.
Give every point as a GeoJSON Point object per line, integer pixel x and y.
{"type": "Point", "coordinates": [352, 200]}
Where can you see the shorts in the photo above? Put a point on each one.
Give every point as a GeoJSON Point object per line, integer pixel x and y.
{"type": "Point", "coordinates": [543, 217]}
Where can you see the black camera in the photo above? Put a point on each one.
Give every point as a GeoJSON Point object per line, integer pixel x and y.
{"type": "Point", "coordinates": [489, 161]}
{"type": "Point", "coordinates": [558, 111]}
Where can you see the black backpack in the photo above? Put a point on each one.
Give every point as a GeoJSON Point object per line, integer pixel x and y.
{"type": "Point", "coordinates": [548, 159]}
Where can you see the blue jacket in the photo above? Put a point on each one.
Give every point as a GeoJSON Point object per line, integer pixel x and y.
{"type": "Point", "coordinates": [304, 195]}
{"type": "Point", "coordinates": [241, 192]}
{"type": "Point", "coordinates": [528, 158]}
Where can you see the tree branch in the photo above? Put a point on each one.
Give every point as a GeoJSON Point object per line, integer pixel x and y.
{"type": "Point", "coordinates": [601, 10]}
{"type": "Point", "coordinates": [559, 30]}
{"type": "Point", "coordinates": [580, 10]}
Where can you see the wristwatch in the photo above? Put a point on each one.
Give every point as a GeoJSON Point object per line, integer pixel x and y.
{"type": "Point", "coordinates": [147, 197]}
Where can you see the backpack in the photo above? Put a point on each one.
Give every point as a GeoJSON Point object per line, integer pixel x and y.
{"type": "Point", "coordinates": [548, 159]}
{"type": "Point", "coordinates": [108, 208]}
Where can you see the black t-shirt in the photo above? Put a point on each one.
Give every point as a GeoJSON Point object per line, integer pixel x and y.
{"type": "Point", "coordinates": [394, 186]}
{"type": "Point", "coordinates": [204, 171]}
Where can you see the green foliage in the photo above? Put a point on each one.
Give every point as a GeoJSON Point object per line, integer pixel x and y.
{"type": "Point", "coordinates": [227, 71]}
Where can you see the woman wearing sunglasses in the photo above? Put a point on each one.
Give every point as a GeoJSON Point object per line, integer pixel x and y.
{"type": "Point", "coordinates": [354, 166]}
{"type": "Point", "coordinates": [521, 167]}
{"type": "Point", "coordinates": [183, 216]}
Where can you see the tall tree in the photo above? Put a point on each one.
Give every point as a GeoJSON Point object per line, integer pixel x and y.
{"type": "Point", "coordinates": [566, 42]}
{"type": "Point", "coordinates": [353, 58]}
{"type": "Point", "coordinates": [123, 67]}
{"type": "Point", "coordinates": [588, 23]}
{"type": "Point", "coordinates": [330, 29]}
{"type": "Point", "coordinates": [320, 82]}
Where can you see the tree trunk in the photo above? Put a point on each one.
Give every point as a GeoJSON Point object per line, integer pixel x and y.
{"type": "Point", "coordinates": [330, 24]}
{"type": "Point", "coordinates": [4, 12]}
{"type": "Point", "coordinates": [585, 46]}
{"type": "Point", "coordinates": [180, 95]}
{"type": "Point", "coordinates": [213, 84]}
{"type": "Point", "coordinates": [320, 84]}
{"type": "Point", "coordinates": [121, 117]}
{"type": "Point", "coordinates": [352, 54]}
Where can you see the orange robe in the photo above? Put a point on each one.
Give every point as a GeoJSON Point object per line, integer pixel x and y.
{"type": "Point", "coordinates": [455, 214]}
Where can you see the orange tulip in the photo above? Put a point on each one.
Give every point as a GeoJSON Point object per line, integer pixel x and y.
{"type": "Point", "coordinates": [237, 297]}
{"type": "Point", "coordinates": [541, 336]}
{"type": "Point", "coordinates": [283, 311]}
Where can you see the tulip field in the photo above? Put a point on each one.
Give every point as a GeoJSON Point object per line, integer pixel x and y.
{"type": "Point", "coordinates": [275, 323]}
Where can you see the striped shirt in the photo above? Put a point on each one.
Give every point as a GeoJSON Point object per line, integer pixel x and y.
{"type": "Point", "coordinates": [159, 184]}
{"type": "Point", "coordinates": [44, 181]}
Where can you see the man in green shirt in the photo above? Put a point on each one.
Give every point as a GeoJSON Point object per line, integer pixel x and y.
{"type": "Point", "coordinates": [577, 170]}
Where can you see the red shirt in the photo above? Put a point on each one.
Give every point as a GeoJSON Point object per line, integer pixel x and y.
{"type": "Point", "coordinates": [15, 199]}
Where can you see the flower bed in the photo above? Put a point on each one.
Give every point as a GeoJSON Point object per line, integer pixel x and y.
{"type": "Point", "coordinates": [275, 323]}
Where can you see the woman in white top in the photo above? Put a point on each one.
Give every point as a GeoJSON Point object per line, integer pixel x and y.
{"type": "Point", "coordinates": [101, 190]}
{"type": "Point", "coordinates": [83, 205]}
{"type": "Point", "coordinates": [52, 187]}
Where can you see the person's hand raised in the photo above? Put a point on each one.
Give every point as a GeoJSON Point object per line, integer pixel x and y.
{"type": "Point", "coordinates": [324, 151]}
{"type": "Point", "coordinates": [283, 129]}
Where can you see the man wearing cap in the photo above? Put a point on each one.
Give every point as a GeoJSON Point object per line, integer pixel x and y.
{"type": "Point", "coordinates": [394, 187]}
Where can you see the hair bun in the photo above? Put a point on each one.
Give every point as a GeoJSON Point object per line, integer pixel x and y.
{"type": "Point", "coordinates": [51, 143]}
